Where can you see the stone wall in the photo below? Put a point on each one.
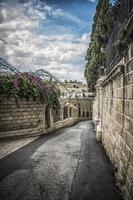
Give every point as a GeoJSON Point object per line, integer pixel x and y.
{"type": "Point", "coordinates": [113, 117]}
{"type": "Point", "coordinates": [64, 123]}
{"type": "Point", "coordinates": [28, 118]}
{"type": "Point", "coordinates": [77, 107]}
{"type": "Point", "coordinates": [21, 117]}
{"type": "Point", "coordinates": [85, 106]}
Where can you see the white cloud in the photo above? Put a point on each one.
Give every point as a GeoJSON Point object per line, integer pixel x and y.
{"type": "Point", "coordinates": [93, 1]}
{"type": "Point", "coordinates": [63, 55]}
{"type": "Point", "coordinates": [41, 11]}
{"type": "Point", "coordinates": [73, 18]}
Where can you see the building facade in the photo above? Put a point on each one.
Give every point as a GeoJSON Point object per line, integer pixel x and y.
{"type": "Point", "coordinates": [76, 101]}
{"type": "Point", "coordinates": [113, 105]}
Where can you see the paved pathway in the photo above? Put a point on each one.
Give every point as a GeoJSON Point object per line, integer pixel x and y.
{"type": "Point", "coordinates": [7, 147]}
{"type": "Point", "coordinates": [94, 178]}
{"type": "Point", "coordinates": [49, 168]}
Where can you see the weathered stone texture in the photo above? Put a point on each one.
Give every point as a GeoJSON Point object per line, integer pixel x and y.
{"type": "Point", "coordinates": [116, 119]}
{"type": "Point", "coordinates": [113, 117]}
{"type": "Point", "coordinates": [21, 117]}
{"type": "Point", "coordinates": [28, 118]}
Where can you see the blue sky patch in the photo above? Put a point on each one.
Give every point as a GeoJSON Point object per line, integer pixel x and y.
{"type": "Point", "coordinates": [53, 34]}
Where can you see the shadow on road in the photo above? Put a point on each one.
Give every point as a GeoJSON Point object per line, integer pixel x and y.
{"type": "Point", "coordinates": [20, 159]}
{"type": "Point", "coordinates": [94, 179]}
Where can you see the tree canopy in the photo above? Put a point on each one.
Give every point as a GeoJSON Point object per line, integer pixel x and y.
{"type": "Point", "coordinates": [103, 23]}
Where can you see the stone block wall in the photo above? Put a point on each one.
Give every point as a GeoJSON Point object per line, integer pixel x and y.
{"type": "Point", "coordinates": [113, 108]}
{"type": "Point", "coordinates": [77, 107]}
{"type": "Point", "coordinates": [28, 118]}
{"type": "Point", "coordinates": [85, 106]}
{"type": "Point", "coordinates": [21, 117]}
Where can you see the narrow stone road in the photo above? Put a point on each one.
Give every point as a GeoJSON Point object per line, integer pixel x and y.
{"type": "Point", "coordinates": [94, 178]}
{"type": "Point", "coordinates": [67, 164]}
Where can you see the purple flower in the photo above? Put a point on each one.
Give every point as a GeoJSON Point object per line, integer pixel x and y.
{"type": "Point", "coordinates": [15, 81]}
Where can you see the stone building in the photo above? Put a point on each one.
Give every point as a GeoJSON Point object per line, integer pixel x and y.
{"type": "Point", "coordinates": [19, 117]}
{"type": "Point", "coordinates": [75, 101]}
{"type": "Point", "coordinates": [113, 105]}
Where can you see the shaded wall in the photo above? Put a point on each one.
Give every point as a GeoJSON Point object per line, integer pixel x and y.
{"type": "Point", "coordinates": [113, 117]}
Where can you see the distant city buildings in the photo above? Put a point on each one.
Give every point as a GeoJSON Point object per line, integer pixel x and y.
{"type": "Point", "coordinates": [75, 100]}
{"type": "Point", "coordinates": [74, 89]}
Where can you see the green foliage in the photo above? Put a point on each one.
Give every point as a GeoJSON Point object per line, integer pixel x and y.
{"type": "Point", "coordinates": [103, 23]}
{"type": "Point", "coordinates": [29, 86]}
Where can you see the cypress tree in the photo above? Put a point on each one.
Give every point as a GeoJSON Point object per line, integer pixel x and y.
{"type": "Point", "coordinates": [103, 23]}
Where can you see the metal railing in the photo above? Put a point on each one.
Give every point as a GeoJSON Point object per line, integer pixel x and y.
{"type": "Point", "coordinates": [113, 56]}
{"type": "Point", "coordinates": [6, 68]}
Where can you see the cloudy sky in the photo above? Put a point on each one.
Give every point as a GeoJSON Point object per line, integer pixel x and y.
{"type": "Point", "coordinates": [49, 34]}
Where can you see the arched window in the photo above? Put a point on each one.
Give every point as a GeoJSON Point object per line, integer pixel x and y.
{"type": "Point", "coordinates": [56, 115]}
{"type": "Point", "coordinates": [83, 113]}
{"type": "Point", "coordinates": [87, 113]}
{"type": "Point", "coordinates": [79, 110]}
{"type": "Point", "coordinates": [47, 117]}
{"type": "Point", "coordinates": [65, 112]}
{"type": "Point", "coordinates": [70, 112]}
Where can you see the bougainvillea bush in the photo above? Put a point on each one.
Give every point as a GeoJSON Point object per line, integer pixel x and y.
{"type": "Point", "coordinates": [26, 85]}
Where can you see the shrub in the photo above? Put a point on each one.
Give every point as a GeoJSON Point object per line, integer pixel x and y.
{"type": "Point", "coordinates": [26, 85]}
